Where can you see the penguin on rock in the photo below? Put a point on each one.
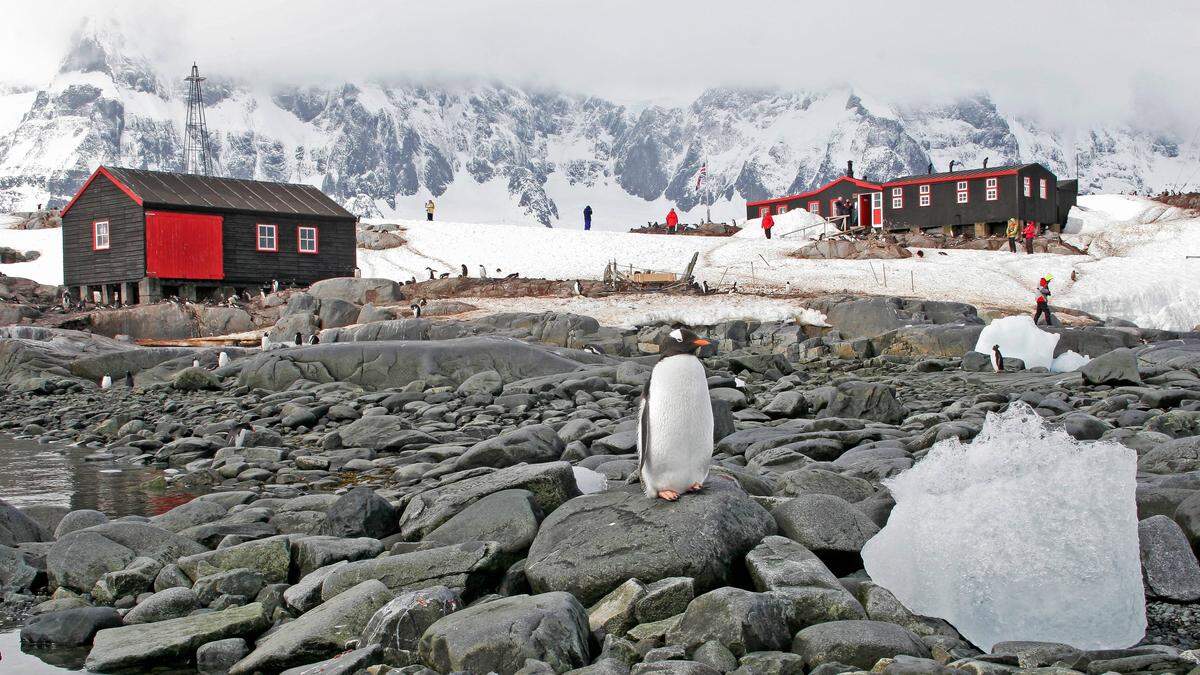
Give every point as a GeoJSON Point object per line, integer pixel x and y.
{"type": "Point", "coordinates": [299, 339]}
{"type": "Point", "coordinates": [675, 420]}
{"type": "Point", "coordinates": [997, 359]}
{"type": "Point", "coordinates": [106, 382]}
{"type": "Point", "coordinates": [222, 359]}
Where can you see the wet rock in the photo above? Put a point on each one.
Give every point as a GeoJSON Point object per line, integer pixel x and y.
{"type": "Point", "coordinates": [79, 520]}
{"type": "Point", "coordinates": [174, 640]}
{"type": "Point", "coordinates": [312, 553]}
{"type": "Point", "coordinates": [1169, 567]}
{"type": "Point", "coordinates": [169, 603]}
{"type": "Point", "coordinates": [218, 656]}
{"type": "Point", "coordinates": [78, 560]}
{"type": "Point", "coordinates": [856, 643]}
{"type": "Point", "coordinates": [824, 523]}
{"type": "Point", "coordinates": [461, 567]}
{"type": "Point", "coordinates": [781, 565]}
{"type": "Point", "coordinates": [398, 626]}
{"type": "Point", "coordinates": [70, 627]}
{"type": "Point", "coordinates": [16, 527]}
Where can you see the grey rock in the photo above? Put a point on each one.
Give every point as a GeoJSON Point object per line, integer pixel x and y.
{"type": "Point", "coordinates": [16, 527]}
{"type": "Point", "coordinates": [486, 382]}
{"type": "Point", "coordinates": [664, 599]}
{"type": "Point", "coordinates": [164, 642]}
{"type": "Point", "coordinates": [79, 559]}
{"type": "Point", "coordinates": [306, 593]}
{"type": "Point", "coordinates": [79, 520]}
{"type": "Point", "coordinates": [1120, 366]}
{"type": "Point", "coordinates": [195, 379]}
{"type": "Point", "coordinates": [346, 663]}
{"type": "Point", "coordinates": [592, 544]}
{"type": "Point", "coordinates": [398, 626]}
{"type": "Point", "coordinates": [244, 582]}
{"type": "Point", "coordinates": [271, 557]}
{"type": "Point", "coordinates": [742, 621]}
{"type": "Point", "coordinates": [69, 627]}
{"type": "Point", "coordinates": [500, 635]}
{"type": "Point", "coordinates": [715, 655]}
{"type": "Point", "coordinates": [856, 643]}
{"type": "Point", "coordinates": [462, 566]}
{"type": "Point", "coordinates": [335, 313]}
{"type": "Point", "coordinates": [384, 433]}
{"type": "Point", "coordinates": [361, 513]}
{"type": "Point", "coordinates": [318, 633]}
{"type": "Point", "coordinates": [771, 663]}
{"type": "Point", "coordinates": [218, 656]}
{"type": "Point", "coordinates": [673, 667]}
{"type": "Point", "coordinates": [532, 444]}
{"type": "Point", "coordinates": [195, 512]}
{"type": "Point", "coordinates": [509, 517]}
{"type": "Point", "coordinates": [16, 572]}
{"type": "Point", "coordinates": [312, 553]}
{"type": "Point", "coordinates": [169, 603]}
{"type": "Point", "coordinates": [616, 612]}
{"type": "Point", "coordinates": [1169, 567]}
{"type": "Point", "coordinates": [824, 523]}
{"type": "Point", "coordinates": [787, 404]}
{"type": "Point", "coordinates": [357, 290]}
{"type": "Point", "coordinates": [861, 400]}
{"type": "Point", "coordinates": [781, 565]}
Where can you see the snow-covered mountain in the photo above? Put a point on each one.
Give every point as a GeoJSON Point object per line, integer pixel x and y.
{"type": "Point", "coordinates": [497, 153]}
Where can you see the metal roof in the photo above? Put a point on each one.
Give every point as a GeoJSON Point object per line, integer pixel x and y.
{"type": "Point", "coordinates": [165, 189]}
{"type": "Point", "coordinates": [964, 173]}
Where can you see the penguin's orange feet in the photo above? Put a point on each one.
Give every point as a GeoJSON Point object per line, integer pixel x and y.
{"type": "Point", "coordinates": [669, 495]}
{"type": "Point", "coordinates": [695, 487]}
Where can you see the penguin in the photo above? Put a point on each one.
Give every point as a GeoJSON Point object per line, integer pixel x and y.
{"type": "Point", "coordinates": [222, 360]}
{"type": "Point", "coordinates": [313, 339]}
{"type": "Point", "coordinates": [129, 379]}
{"type": "Point", "coordinates": [997, 359]}
{"type": "Point", "coordinates": [416, 310]}
{"type": "Point", "coordinates": [430, 269]}
{"type": "Point", "coordinates": [706, 291]}
{"type": "Point", "coordinates": [514, 275]}
{"type": "Point", "coordinates": [413, 280]}
{"type": "Point", "coordinates": [1074, 277]}
{"type": "Point", "coordinates": [195, 363]}
{"type": "Point", "coordinates": [66, 301]}
{"type": "Point", "coordinates": [266, 342]}
{"type": "Point", "coordinates": [482, 272]}
{"type": "Point", "coordinates": [464, 271]}
{"type": "Point", "coordinates": [237, 435]}
{"type": "Point", "coordinates": [577, 288]}
{"type": "Point", "coordinates": [593, 349]}
{"type": "Point", "coordinates": [274, 285]}
{"type": "Point", "coordinates": [106, 382]}
{"type": "Point", "coordinates": [675, 420]}
{"type": "Point", "coordinates": [443, 275]}
{"type": "Point", "coordinates": [299, 339]}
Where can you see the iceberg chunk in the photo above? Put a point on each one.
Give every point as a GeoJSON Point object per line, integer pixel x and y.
{"type": "Point", "coordinates": [1019, 338]}
{"type": "Point", "coordinates": [1068, 361]}
{"type": "Point", "coordinates": [1022, 534]}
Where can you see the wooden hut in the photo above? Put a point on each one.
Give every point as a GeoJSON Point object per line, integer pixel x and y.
{"type": "Point", "coordinates": [979, 200]}
{"type": "Point", "coordinates": [141, 235]}
{"type": "Point", "coordinates": [864, 195]}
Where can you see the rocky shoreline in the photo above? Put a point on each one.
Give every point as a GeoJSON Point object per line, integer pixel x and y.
{"type": "Point", "coordinates": [440, 495]}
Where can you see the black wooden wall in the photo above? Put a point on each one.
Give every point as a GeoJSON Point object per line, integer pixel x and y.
{"type": "Point", "coordinates": [944, 208]}
{"type": "Point", "coordinates": [1033, 207]}
{"type": "Point", "coordinates": [336, 255]}
{"type": "Point", "coordinates": [125, 259]}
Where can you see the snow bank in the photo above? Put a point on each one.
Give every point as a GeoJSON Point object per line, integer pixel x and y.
{"type": "Point", "coordinates": [805, 225]}
{"type": "Point", "coordinates": [631, 311]}
{"type": "Point", "coordinates": [1019, 338]}
{"type": "Point", "coordinates": [1022, 534]}
{"type": "Point", "coordinates": [47, 269]}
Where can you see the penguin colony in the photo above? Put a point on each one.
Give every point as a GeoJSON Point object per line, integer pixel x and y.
{"type": "Point", "coordinates": [675, 420]}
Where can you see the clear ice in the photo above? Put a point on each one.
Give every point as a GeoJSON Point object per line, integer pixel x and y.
{"type": "Point", "coordinates": [1019, 338]}
{"type": "Point", "coordinates": [1022, 534]}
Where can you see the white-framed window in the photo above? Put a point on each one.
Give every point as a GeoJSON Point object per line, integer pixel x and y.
{"type": "Point", "coordinates": [1042, 188]}
{"type": "Point", "coordinates": [306, 239]}
{"type": "Point", "coordinates": [991, 182]}
{"type": "Point", "coordinates": [962, 186]}
{"type": "Point", "coordinates": [780, 209]}
{"type": "Point", "coordinates": [1028, 182]}
{"type": "Point", "coordinates": [763, 210]}
{"type": "Point", "coordinates": [898, 202]}
{"type": "Point", "coordinates": [924, 200]}
{"type": "Point", "coordinates": [814, 207]}
{"type": "Point", "coordinates": [961, 196]}
{"type": "Point", "coordinates": [101, 240]}
{"type": "Point", "coordinates": [924, 189]}
{"type": "Point", "coordinates": [267, 237]}
{"type": "Point", "coordinates": [992, 194]}
{"type": "Point", "coordinates": [897, 192]}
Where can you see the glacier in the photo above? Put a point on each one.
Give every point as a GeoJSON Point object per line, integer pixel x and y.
{"type": "Point", "coordinates": [1022, 534]}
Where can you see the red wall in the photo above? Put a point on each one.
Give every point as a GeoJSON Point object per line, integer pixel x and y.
{"type": "Point", "coordinates": [183, 246]}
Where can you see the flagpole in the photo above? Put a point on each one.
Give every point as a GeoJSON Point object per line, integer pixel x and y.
{"type": "Point", "coordinates": [707, 191]}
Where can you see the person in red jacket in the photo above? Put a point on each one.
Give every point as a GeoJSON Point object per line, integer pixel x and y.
{"type": "Point", "coordinates": [1043, 301]}
{"type": "Point", "coordinates": [1029, 233]}
{"type": "Point", "coordinates": [672, 221]}
{"type": "Point", "coordinates": [767, 223]}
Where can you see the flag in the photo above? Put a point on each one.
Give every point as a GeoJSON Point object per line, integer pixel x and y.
{"type": "Point", "coordinates": [700, 176]}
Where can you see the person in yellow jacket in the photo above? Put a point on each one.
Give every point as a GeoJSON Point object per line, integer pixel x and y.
{"type": "Point", "coordinates": [429, 210]}
{"type": "Point", "coordinates": [1014, 229]}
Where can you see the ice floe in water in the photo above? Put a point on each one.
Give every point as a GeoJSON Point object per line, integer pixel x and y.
{"type": "Point", "coordinates": [1022, 534]}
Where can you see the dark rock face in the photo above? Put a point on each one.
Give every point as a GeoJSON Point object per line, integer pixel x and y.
{"type": "Point", "coordinates": [70, 627]}
{"type": "Point", "coordinates": [1119, 366]}
{"type": "Point", "coordinates": [532, 444]}
{"type": "Point", "coordinates": [739, 620]}
{"type": "Point", "coordinates": [856, 643]}
{"type": "Point", "coordinates": [863, 400]}
{"type": "Point", "coordinates": [592, 544]}
{"type": "Point", "coordinates": [361, 513]}
{"type": "Point", "coordinates": [499, 636]}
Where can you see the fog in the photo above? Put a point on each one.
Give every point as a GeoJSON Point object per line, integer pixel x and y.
{"type": "Point", "coordinates": [1066, 62]}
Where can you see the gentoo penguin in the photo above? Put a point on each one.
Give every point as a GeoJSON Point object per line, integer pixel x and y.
{"type": "Point", "coordinates": [222, 360]}
{"type": "Point", "coordinates": [299, 339]}
{"type": "Point", "coordinates": [66, 301]}
{"type": "Point", "coordinates": [416, 310]}
{"type": "Point", "coordinates": [430, 273]}
{"type": "Point", "coordinates": [274, 285]}
{"type": "Point", "coordinates": [514, 275]}
{"type": "Point", "coordinates": [577, 288]}
{"type": "Point", "coordinates": [482, 272]}
{"type": "Point", "coordinates": [443, 275]}
{"type": "Point", "coordinates": [129, 379]}
{"type": "Point", "coordinates": [593, 349]}
{"type": "Point", "coordinates": [313, 339]}
{"type": "Point", "coordinates": [105, 382]}
{"type": "Point", "coordinates": [464, 270]}
{"type": "Point", "coordinates": [706, 291]}
{"type": "Point", "coordinates": [266, 342]}
{"type": "Point", "coordinates": [997, 359]}
{"type": "Point", "coordinates": [675, 421]}
{"type": "Point", "coordinates": [237, 435]}
{"type": "Point", "coordinates": [195, 363]}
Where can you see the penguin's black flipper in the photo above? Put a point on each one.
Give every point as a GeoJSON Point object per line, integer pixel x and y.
{"type": "Point", "coordinates": [644, 438]}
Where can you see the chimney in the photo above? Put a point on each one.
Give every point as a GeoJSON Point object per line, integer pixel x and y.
{"type": "Point", "coordinates": [850, 168]}
{"type": "Point", "coordinates": [985, 159]}
{"type": "Point", "coordinates": [952, 163]}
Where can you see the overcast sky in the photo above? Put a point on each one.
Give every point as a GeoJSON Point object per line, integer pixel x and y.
{"type": "Point", "coordinates": [1066, 61]}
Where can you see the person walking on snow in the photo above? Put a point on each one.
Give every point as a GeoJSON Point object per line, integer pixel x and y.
{"type": "Point", "coordinates": [1030, 232]}
{"type": "Point", "coordinates": [429, 210]}
{"type": "Point", "coordinates": [767, 223]}
{"type": "Point", "coordinates": [672, 221]}
{"type": "Point", "coordinates": [1014, 229]}
{"type": "Point", "coordinates": [1043, 301]}
{"type": "Point", "coordinates": [587, 218]}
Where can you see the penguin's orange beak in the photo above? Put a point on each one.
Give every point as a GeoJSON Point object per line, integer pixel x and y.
{"type": "Point", "coordinates": [700, 342]}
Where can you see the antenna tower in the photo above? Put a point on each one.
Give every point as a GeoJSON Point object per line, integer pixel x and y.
{"type": "Point", "coordinates": [195, 145]}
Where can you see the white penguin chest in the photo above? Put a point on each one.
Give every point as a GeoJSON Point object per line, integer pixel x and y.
{"type": "Point", "coordinates": [680, 411]}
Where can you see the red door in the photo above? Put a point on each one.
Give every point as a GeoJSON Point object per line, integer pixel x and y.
{"type": "Point", "coordinates": [864, 208]}
{"type": "Point", "coordinates": [183, 246]}
{"type": "Point", "coordinates": [876, 209]}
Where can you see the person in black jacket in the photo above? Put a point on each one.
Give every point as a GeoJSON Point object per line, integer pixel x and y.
{"type": "Point", "coordinates": [587, 218]}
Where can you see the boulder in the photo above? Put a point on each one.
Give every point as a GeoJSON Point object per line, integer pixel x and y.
{"type": "Point", "coordinates": [357, 290]}
{"type": "Point", "coordinates": [142, 646]}
{"type": "Point", "coordinates": [312, 553]}
{"type": "Point", "coordinates": [319, 633]}
{"type": "Point", "coordinates": [271, 557]}
{"type": "Point", "coordinates": [169, 603]}
{"type": "Point", "coordinates": [383, 433]}
{"type": "Point", "coordinates": [531, 444]}
{"type": "Point", "coordinates": [69, 627]}
{"type": "Point", "coordinates": [163, 320]}
{"type": "Point", "coordinates": [194, 379]}
{"type": "Point", "coordinates": [781, 565]}
{"type": "Point", "coordinates": [1120, 366]}
{"type": "Point", "coordinates": [16, 572]}
{"type": "Point", "coordinates": [508, 517]}
{"type": "Point", "coordinates": [824, 523]}
{"type": "Point", "coordinates": [399, 625]}
{"type": "Point", "coordinates": [79, 520]}
{"type": "Point", "coordinates": [499, 636]}
{"type": "Point", "coordinates": [222, 320]}
{"type": "Point", "coordinates": [551, 483]}
{"type": "Point", "coordinates": [360, 513]}
{"type": "Point", "coordinates": [190, 514]}
{"type": "Point", "coordinates": [285, 329]}
{"type": "Point", "coordinates": [17, 528]}
{"type": "Point", "coordinates": [79, 559]}
{"type": "Point", "coordinates": [664, 599]}
{"type": "Point", "coordinates": [486, 382]}
{"type": "Point", "coordinates": [1169, 567]}
{"type": "Point", "coordinates": [856, 643]}
{"type": "Point", "coordinates": [787, 404]}
{"type": "Point", "coordinates": [741, 621]}
{"type": "Point", "coordinates": [218, 656]}
{"type": "Point", "coordinates": [860, 400]}
{"type": "Point", "coordinates": [240, 582]}
{"type": "Point", "coordinates": [463, 567]}
{"type": "Point", "coordinates": [592, 544]}
{"type": "Point", "coordinates": [336, 313]}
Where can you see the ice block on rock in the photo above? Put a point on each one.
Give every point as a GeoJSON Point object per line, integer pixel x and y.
{"type": "Point", "coordinates": [1019, 338]}
{"type": "Point", "coordinates": [1022, 534]}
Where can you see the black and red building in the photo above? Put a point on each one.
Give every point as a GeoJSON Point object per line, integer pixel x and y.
{"type": "Point", "coordinates": [141, 235]}
{"type": "Point", "coordinates": [976, 200]}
